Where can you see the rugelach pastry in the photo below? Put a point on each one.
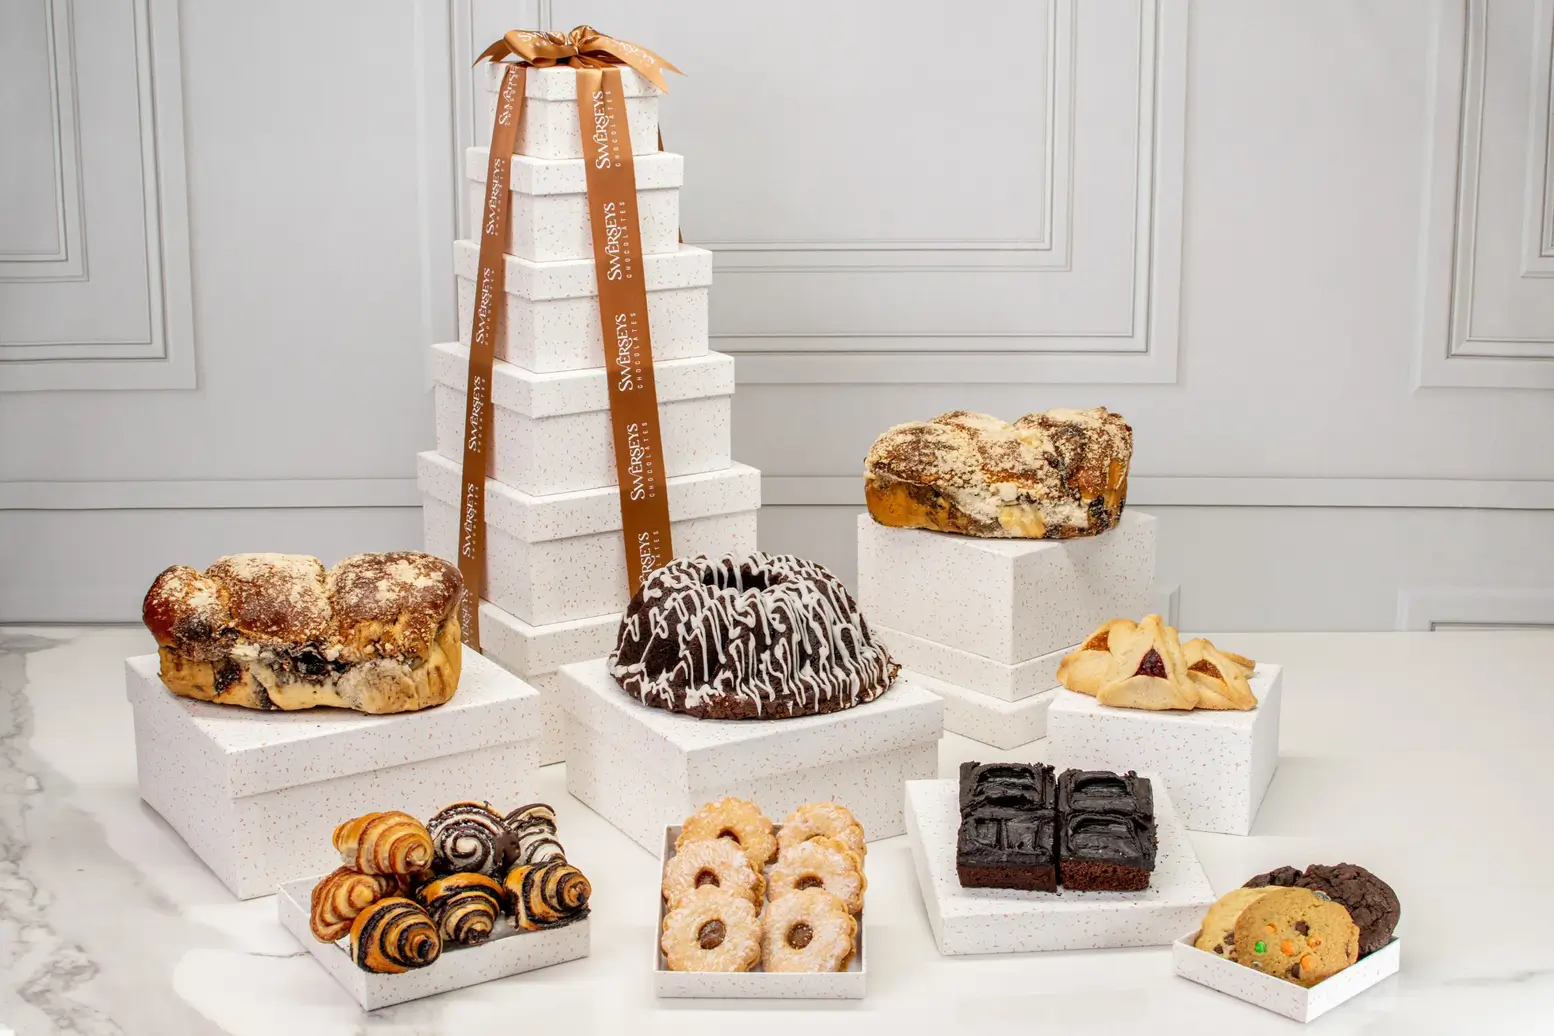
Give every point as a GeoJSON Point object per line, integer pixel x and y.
{"type": "Point", "coordinates": [1053, 475]}
{"type": "Point", "coordinates": [392, 936]}
{"type": "Point", "coordinates": [377, 633]}
{"type": "Point", "coordinates": [464, 907]}
{"type": "Point", "coordinates": [342, 894]}
{"type": "Point", "coordinates": [768, 636]}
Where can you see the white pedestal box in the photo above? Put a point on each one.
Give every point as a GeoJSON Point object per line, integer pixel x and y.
{"type": "Point", "coordinates": [1007, 600]}
{"type": "Point", "coordinates": [643, 769]}
{"type": "Point", "coordinates": [534, 653]}
{"type": "Point", "coordinates": [755, 985]}
{"type": "Point", "coordinates": [1217, 765]}
{"type": "Point", "coordinates": [509, 951]}
{"type": "Point", "coordinates": [551, 320]}
{"type": "Point", "coordinates": [982, 920]}
{"type": "Point", "coordinates": [992, 721]}
{"type": "Point", "coordinates": [1274, 994]}
{"type": "Point", "coordinates": [257, 795]}
{"type": "Point", "coordinates": [551, 433]}
{"type": "Point", "coordinates": [548, 217]}
{"type": "Point", "coordinates": [549, 128]}
{"type": "Point", "coordinates": [560, 557]}
{"type": "Point", "coordinates": [1010, 683]}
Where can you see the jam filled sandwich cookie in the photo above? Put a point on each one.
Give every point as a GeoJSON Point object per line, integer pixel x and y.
{"type": "Point", "coordinates": [741, 822]}
{"type": "Point", "coordinates": [1296, 935]}
{"type": "Point", "coordinates": [809, 930]}
{"type": "Point", "coordinates": [819, 863]}
{"type": "Point", "coordinates": [822, 819]}
{"type": "Point", "coordinates": [711, 929]}
{"type": "Point", "coordinates": [716, 862]}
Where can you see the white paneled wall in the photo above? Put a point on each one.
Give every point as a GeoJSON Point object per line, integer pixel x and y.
{"type": "Point", "coordinates": [1307, 250]}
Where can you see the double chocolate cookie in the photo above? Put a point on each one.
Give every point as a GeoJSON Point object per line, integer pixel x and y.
{"type": "Point", "coordinates": [1369, 900]}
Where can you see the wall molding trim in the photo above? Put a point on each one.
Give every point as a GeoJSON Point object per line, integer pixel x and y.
{"type": "Point", "coordinates": [166, 360]}
{"type": "Point", "coordinates": [788, 491]}
{"type": "Point", "coordinates": [1431, 608]}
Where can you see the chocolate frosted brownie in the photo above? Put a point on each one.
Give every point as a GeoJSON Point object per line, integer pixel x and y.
{"type": "Point", "coordinates": [1101, 791]}
{"type": "Point", "coordinates": [1009, 828]}
{"type": "Point", "coordinates": [1107, 852]}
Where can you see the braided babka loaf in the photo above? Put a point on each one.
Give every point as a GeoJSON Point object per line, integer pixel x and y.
{"type": "Point", "coordinates": [761, 637]}
{"type": "Point", "coordinates": [377, 633]}
{"type": "Point", "coordinates": [1053, 475]}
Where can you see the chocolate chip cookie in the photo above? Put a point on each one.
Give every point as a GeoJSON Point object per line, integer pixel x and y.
{"type": "Point", "coordinates": [1370, 901]}
{"type": "Point", "coordinates": [1296, 935]}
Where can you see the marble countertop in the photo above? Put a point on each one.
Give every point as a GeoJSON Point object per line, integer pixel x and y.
{"type": "Point", "coordinates": [1423, 756]}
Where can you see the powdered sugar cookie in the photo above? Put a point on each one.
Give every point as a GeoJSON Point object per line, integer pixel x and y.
{"type": "Point", "coordinates": [822, 818]}
{"type": "Point", "coordinates": [809, 930]}
{"type": "Point", "coordinates": [735, 819]}
{"type": "Point", "coordinates": [717, 862]}
{"type": "Point", "coordinates": [823, 862]}
{"type": "Point", "coordinates": [710, 929]}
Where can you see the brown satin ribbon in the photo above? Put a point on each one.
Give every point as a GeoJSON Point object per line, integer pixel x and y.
{"type": "Point", "coordinates": [623, 316]}
{"type": "Point", "coordinates": [490, 306]}
{"type": "Point", "coordinates": [612, 202]}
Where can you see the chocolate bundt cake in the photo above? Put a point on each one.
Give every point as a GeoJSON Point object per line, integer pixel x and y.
{"type": "Point", "coordinates": [768, 636]}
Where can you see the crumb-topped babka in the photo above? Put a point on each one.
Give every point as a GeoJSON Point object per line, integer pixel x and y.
{"type": "Point", "coordinates": [377, 633]}
{"type": "Point", "coordinates": [767, 636]}
{"type": "Point", "coordinates": [1052, 475]}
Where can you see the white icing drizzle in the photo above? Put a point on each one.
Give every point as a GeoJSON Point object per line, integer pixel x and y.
{"type": "Point", "coordinates": [757, 637]}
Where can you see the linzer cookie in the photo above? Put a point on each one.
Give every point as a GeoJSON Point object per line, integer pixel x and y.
{"type": "Point", "coordinates": [1054, 475]}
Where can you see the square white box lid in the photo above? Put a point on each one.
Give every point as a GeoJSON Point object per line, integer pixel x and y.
{"type": "Point", "coordinates": [1261, 682]}
{"type": "Point", "coordinates": [538, 650]}
{"type": "Point", "coordinates": [535, 519]}
{"type": "Point", "coordinates": [262, 751]}
{"type": "Point", "coordinates": [559, 82]}
{"type": "Point", "coordinates": [739, 751]}
{"type": "Point", "coordinates": [545, 176]}
{"type": "Point", "coordinates": [581, 391]}
{"type": "Point", "coordinates": [690, 267]}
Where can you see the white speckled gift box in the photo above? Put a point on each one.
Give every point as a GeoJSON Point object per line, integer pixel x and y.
{"type": "Point", "coordinates": [982, 920]}
{"type": "Point", "coordinates": [550, 126]}
{"type": "Point", "coordinates": [992, 721]}
{"type": "Point", "coordinates": [509, 951]}
{"type": "Point", "coordinates": [1276, 995]}
{"type": "Point", "coordinates": [257, 795]}
{"type": "Point", "coordinates": [643, 769]}
{"type": "Point", "coordinates": [551, 320]}
{"type": "Point", "coordinates": [1217, 765]}
{"type": "Point", "coordinates": [536, 652]}
{"type": "Point", "coordinates": [548, 217]}
{"type": "Point", "coordinates": [1009, 601]}
{"type": "Point", "coordinates": [560, 557]}
{"type": "Point", "coordinates": [551, 433]}
{"type": "Point", "coordinates": [759, 984]}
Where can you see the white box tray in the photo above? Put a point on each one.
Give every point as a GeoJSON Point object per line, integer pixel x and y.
{"type": "Point", "coordinates": [1276, 995]}
{"type": "Point", "coordinates": [550, 128]}
{"type": "Point", "coordinates": [551, 313]}
{"type": "Point", "coordinates": [548, 217]}
{"type": "Point", "coordinates": [256, 795]}
{"type": "Point", "coordinates": [1217, 764]}
{"type": "Point", "coordinates": [1013, 921]}
{"type": "Point", "coordinates": [834, 985]}
{"type": "Point", "coordinates": [556, 558]}
{"type": "Point", "coordinates": [552, 433]}
{"type": "Point", "coordinates": [510, 951]}
{"type": "Point", "coordinates": [643, 768]}
{"type": "Point", "coordinates": [996, 679]}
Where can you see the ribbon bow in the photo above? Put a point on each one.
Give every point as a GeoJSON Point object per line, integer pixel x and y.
{"type": "Point", "coordinates": [583, 47]}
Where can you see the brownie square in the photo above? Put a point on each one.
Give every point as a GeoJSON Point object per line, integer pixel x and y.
{"type": "Point", "coordinates": [1101, 791]}
{"type": "Point", "coordinates": [1008, 847]}
{"type": "Point", "coordinates": [1106, 852]}
{"type": "Point", "coordinates": [1029, 785]}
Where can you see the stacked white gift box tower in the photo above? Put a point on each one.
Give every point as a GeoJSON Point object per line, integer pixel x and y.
{"type": "Point", "coordinates": [555, 580]}
{"type": "Point", "coordinates": [983, 623]}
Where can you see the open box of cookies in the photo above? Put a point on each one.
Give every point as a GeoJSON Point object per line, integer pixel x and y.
{"type": "Point", "coordinates": [752, 909]}
{"type": "Point", "coordinates": [1297, 943]}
